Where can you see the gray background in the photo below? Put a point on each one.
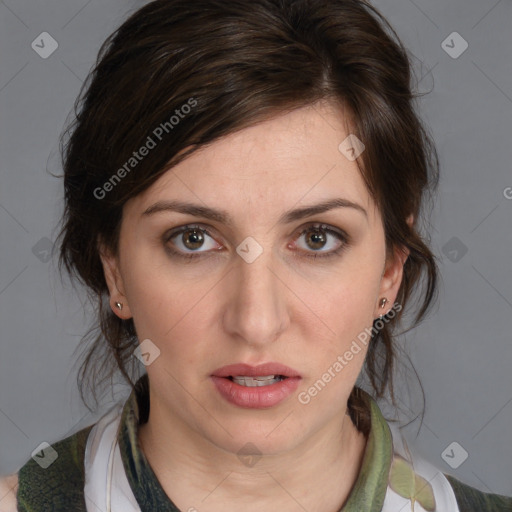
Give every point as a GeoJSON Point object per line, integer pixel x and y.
{"type": "Point", "coordinates": [462, 353]}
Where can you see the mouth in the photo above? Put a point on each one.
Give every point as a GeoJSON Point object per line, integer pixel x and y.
{"type": "Point", "coordinates": [255, 387]}
{"type": "Point", "coordinates": [260, 375]}
{"type": "Point", "coordinates": [252, 382]}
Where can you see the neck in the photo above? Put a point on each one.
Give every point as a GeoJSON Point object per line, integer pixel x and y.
{"type": "Point", "coordinates": [316, 475]}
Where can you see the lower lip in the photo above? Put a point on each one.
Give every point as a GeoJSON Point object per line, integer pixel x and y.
{"type": "Point", "coordinates": [258, 397]}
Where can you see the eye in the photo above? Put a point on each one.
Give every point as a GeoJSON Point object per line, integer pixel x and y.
{"type": "Point", "coordinates": [191, 238]}
{"type": "Point", "coordinates": [320, 236]}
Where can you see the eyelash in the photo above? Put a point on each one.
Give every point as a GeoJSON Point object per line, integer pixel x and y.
{"type": "Point", "coordinates": [342, 236]}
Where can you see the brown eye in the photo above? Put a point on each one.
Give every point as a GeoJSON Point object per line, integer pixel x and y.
{"type": "Point", "coordinates": [192, 239]}
{"type": "Point", "coordinates": [187, 240]}
{"type": "Point", "coordinates": [316, 239]}
{"type": "Point", "coordinates": [319, 237]}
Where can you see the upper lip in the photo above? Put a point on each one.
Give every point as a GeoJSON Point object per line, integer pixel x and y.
{"type": "Point", "coordinates": [247, 370]}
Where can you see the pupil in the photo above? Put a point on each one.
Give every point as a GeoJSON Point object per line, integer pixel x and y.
{"type": "Point", "coordinates": [318, 239]}
{"type": "Point", "coordinates": [195, 236]}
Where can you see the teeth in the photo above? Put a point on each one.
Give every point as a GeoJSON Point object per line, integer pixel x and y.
{"type": "Point", "coordinates": [265, 380]}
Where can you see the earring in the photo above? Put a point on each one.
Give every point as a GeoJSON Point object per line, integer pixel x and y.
{"type": "Point", "coordinates": [119, 305]}
{"type": "Point", "coordinates": [382, 303]}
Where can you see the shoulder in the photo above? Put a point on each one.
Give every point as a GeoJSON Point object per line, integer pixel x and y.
{"type": "Point", "coordinates": [53, 479]}
{"type": "Point", "coordinates": [471, 499]}
{"type": "Point", "coordinates": [8, 490]}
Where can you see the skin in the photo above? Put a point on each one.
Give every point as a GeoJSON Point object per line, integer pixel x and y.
{"type": "Point", "coordinates": [284, 307]}
{"type": "Point", "coordinates": [8, 491]}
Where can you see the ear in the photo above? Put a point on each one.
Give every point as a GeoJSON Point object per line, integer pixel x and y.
{"type": "Point", "coordinates": [392, 275]}
{"type": "Point", "coordinates": [113, 277]}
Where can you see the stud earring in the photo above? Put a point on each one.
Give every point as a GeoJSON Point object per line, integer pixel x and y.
{"type": "Point", "coordinates": [119, 305]}
{"type": "Point", "coordinates": [382, 303]}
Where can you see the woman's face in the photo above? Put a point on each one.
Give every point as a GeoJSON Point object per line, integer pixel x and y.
{"type": "Point", "coordinates": [262, 286]}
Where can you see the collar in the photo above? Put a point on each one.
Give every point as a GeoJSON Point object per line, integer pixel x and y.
{"type": "Point", "coordinates": [367, 494]}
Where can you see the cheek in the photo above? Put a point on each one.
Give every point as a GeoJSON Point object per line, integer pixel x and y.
{"type": "Point", "coordinates": [339, 355]}
{"type": "Point", "coordinates": [349, 323]}
{"type": "Point", "coordinates": [155, 300]}
{"type": "Point", "coordinates": [347, 298]}
{"type": "Point", "coordinates": [166, 307]}
{"type": "Point", "coordinates": [344, 307]}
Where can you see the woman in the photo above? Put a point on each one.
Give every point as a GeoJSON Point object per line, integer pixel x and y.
{"type": "Point", "coordinates": [243, 185]}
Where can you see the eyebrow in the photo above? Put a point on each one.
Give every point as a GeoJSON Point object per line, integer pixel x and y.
{"type": "Point", "coordinates": [223, 217]}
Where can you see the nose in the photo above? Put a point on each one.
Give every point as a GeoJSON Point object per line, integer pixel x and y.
{"type": "Point", "coordinates": [256, 311]}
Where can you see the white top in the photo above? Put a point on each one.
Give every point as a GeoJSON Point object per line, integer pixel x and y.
{"type": "Point", "coordinates": [106, 487]}
{"type": "Point", "coordinates": [443, 492]}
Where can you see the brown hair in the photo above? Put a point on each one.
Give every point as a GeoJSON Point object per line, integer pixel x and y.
{"type": "Point", "coordinates": [237, 63]}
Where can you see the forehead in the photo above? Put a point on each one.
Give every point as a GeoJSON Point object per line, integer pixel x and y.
{"type": "Point", "coordinates": [288, 160]}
